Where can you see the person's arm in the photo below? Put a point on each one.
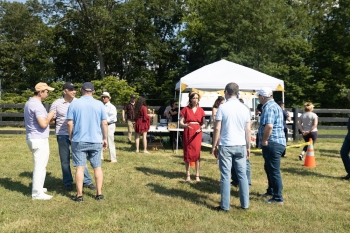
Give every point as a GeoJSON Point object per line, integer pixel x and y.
{"type": "Point", "coordinates": [267, 132]}
{"type": "Point", "coordinates": [53, 120]}
{"type": "Point", "coordinates": [70, 127]}
{"type": "Point", "coordinates": [123, 115]}
{"type": "Point", "coordinates": [44, 122]}
{"type": "Point", "coordinates": [288, 116]}
{"type": "Point", "coordinates": [248, 137]}
{"type": "Point", "coordinates": [213, 114]}
{"type": "Point", "coordinates": [216, 136]}
{"type": "Point", "coordinates": [104, 129]}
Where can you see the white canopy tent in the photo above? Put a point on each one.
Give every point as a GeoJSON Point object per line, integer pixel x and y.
{"type": "Point", "coordinates": [215, 76]}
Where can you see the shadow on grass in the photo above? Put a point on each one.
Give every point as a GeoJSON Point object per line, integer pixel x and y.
{"type": "Point", "coordinates": [16, 186]}
{"type": "Point", "coordinates": [303, 172]}
{"type": "Point", "coordinates": [51, 183]}
{"type": "Point", "coordinates": [330, 153]}
{"type": "Point", "coordinates": [172, 192]}
{"type": "Point", "coordinates": [206, 185]}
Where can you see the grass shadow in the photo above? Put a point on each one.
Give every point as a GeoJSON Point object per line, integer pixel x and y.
{"type": "Point", "coordinates": [303, 172]}
{"type": "Point", "coordinates": [52, 183]}
{"type": "Point", "coordinates": [172, 192]}
{"type": "Point", "coordinates": [16, 186]}
{"type": "Point", "coordinates": [206, 185]}
{"type": "Point", "coordinates": [329, 153]}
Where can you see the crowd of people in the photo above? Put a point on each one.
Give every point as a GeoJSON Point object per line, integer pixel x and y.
{"type": "Point", "coordinates": [231, 137]}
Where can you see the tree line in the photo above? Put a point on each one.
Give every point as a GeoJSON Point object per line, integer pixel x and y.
{"type": "Point", "coordinates": [148, 45]}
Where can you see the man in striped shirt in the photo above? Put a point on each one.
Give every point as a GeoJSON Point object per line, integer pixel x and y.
{"type": "Point", "coordinates": [61, 106]}
{"type": "Point", "coordinates": [273, 143]}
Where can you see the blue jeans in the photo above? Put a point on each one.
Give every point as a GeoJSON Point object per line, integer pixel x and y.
{"type": "Point", "coordinates": [234, 175]}
{"type": "Point", "coordinates": [272, 155]}
{"type": "Point", "coordinates": [344, 153]}
{"type": "Point", "coordinates": [233, 156]}
{"type": "Point", "coordinates": [64, 151]}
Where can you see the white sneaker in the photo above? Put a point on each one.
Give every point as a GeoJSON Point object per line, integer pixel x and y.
{"type": "Point", "coordinates": [42, 196]}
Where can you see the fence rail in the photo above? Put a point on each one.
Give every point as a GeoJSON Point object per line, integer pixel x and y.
{"type": "Point", "coordinates": [294, 127]}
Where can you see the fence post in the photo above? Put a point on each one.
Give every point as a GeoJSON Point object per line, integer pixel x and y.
{"type": "Point", "coordinates": [295, 124]}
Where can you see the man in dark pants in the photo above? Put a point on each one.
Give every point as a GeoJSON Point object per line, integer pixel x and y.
{"type": "Point", "coordinates": [273, 143]}
{"type": "Point", "coordinates": [61, 106]}
{"type": "Point", "coordinates": [345, 149]}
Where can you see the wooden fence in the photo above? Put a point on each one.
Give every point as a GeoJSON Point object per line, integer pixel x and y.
{"type": "Point", "coordinates": [329, 119]}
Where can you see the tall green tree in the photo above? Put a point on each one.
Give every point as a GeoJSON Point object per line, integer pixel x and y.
{"type": "Point", "coordinates": [25, 48]}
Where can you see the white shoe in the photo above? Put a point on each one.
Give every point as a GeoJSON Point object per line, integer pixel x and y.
{"type": "Point", "coordinates": [42, 196]}
{"type": "Point", "coordinates": [44, 190]}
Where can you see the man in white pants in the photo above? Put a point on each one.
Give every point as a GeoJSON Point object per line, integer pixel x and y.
{"type": "Point", "coordinates": [111, 119]}
{"type": "Point", "coordinates": [37, 128]}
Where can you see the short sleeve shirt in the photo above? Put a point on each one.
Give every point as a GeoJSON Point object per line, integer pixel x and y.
{"type": "Point", "coordinates": [272, 114]}
{"type": "Point", "coordinates": [130, 109]}
{"type": "Point", "coordinates": [87, 115]}
{"type": "Point", "coordinates": [33, 110]}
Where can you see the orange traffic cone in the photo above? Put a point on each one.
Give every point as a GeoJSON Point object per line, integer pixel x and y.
{"type": "Point", "coordinates": [310, 157]}
{"type": "Point", "coordinates": [192, 164]}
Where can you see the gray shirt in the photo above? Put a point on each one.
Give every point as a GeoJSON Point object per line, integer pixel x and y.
{"type": "Point", "coordinates": [307, 121]}
{"type": "Point", "coordinates": [61, 107]}
{"type": "Point", "coordinates": [34, 109]}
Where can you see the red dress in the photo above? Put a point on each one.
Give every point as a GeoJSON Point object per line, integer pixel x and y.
{"type": "Point", "coordinates": [142, 124]}
{"type": "Point", "coordinates": [192, 141]}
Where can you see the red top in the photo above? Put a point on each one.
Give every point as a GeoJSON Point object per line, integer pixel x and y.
{"type": "Point", "coordinates": [142, 124]}
{"type": "Point", "coordinates": [192, 141]}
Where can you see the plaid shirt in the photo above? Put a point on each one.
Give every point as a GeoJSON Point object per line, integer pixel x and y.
{"type": "Point", "coordinates": [272, 114]}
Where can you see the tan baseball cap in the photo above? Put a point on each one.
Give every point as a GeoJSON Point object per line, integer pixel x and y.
{"type": "Point", "coordinates": [42, 87]}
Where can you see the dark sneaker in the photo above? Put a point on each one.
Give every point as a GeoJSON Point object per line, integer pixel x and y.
{"type": "Point", "coordinates": [272, 201]}
{"type": "Point", "coordinates": [90, 186]}
{"type": "Point", "coordinates": [219, 209]}
{"type": "Point", "coordinates": [68, 187]}
{"type": "Point", "coordinates": [77, 199]}
{"type": "Point", "coordinates": [347, 177]}
{"type": "Point", "coordinates": [301, 157]}
{"type": "Point", "coordinates": [265, 195]}
{"type": "Point", "coordinates": [99, 197]}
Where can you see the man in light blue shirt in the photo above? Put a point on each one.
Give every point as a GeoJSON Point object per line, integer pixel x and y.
{"type": "Point", "coordinates": [87, 129]}
{"type": "Point", "coordinates": [273, 143]}
{"type": "Point", "coordinates": [61, 107]}
{"type": "Point", "coordinates": [232, 126]}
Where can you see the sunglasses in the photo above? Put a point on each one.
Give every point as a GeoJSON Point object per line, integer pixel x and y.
{"type": "Point", "coordinates": [104, 97]}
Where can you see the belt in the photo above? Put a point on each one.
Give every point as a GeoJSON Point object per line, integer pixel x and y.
{"type": "Point", "coordinates": [111, 123]}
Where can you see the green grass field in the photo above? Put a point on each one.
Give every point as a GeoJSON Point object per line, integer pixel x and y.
{"type": "Point", "coordinates": [147, 193]}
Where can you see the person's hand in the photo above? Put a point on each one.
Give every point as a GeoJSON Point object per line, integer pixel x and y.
{"type": "Point", "coordinates": [104, 144]}
{"type": "Point", "coordinates": [304, 133]}
{"type": "Point", "coordinates": [123, 119]}
{"type": "Point", "coordinates": [214, 152]}
{"type": "Point", "coordinates": [264, 143]}
{"type": "Point", "coordinates": [248, 153]}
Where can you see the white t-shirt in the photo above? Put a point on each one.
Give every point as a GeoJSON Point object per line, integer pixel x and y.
{"type": "Point", "coordinates": [233, 116]}
{"type": "Point", "coordinates": [307, 121]}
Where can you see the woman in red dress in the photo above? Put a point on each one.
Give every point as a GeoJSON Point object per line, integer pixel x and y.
{"type": "Point", "coordinates": [192, 119]}
{"type": "Point", "coordinates": [142, 124]}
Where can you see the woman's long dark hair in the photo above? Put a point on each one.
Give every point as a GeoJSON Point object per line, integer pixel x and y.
{"type": "Point", "coordinates": [138, 105]}
{"type": "Point", "coordinates": [190, 96]}
{"type": "Point", "coordinates": [218, 101]}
